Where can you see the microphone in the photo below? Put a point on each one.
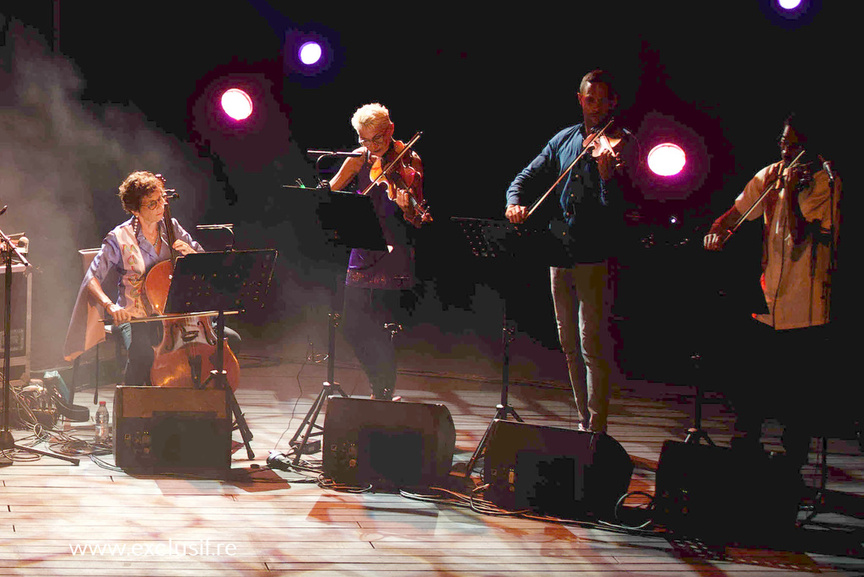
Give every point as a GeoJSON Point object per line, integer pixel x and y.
{"type": "Point", "coordinates": [214, 226]}
{"type": "Point", "coordinates": [826, 164]}
{"type": "Point", "coordinates": [334, 153]}
{"type": "Point", "coordinates": [278, 460]}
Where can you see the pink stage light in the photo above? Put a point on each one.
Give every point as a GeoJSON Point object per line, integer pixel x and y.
{"type": "Point", "coordinates": [237, 104]}
{"type": "Point", "coordinates": [666, 159]}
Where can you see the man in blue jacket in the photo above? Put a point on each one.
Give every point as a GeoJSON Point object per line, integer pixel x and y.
{"type": "Point", "coordinates": [590, 199]}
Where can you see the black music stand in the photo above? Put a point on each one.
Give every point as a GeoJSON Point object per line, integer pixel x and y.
{"type": "Point", "coordinates": [216, 283]}
{"type": "Point", "coordinates": [349, 220]}
{"type": "Point", "coordinates": [500, 240]}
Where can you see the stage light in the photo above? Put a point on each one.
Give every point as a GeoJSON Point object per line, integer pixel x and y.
{"type": "Point", "coordinates": [666, 159]}
{"type": "Point", "coordinates": [674, 160]}
{"type": "Point", "coordinates": [791, 13]}
{"type": "Point", "coordinates": [311, 57]}
{"type": "Point", "coordinates": [237, 104]}
{"type": "Point", "coordinates": [310, 53]}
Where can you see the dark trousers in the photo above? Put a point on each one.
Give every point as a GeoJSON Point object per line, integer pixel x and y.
{"type": "Point", "coordinates": [787, 375]}
{"type": "Point", "coordinates": [139, 340]}
{"type": "Point", "coordinates": [365, 312]}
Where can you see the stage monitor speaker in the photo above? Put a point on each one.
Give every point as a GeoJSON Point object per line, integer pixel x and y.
{"type": "Point", "coordinates": [389, 445]}
{"type": "Point", "coordinates": [555, 471]}
{"type": "Point", "coordinates": [19, 335]}
{"type": "Point", "coordinates": [715, 492]}
{"type": "Point", "coordinates": [163, 430]}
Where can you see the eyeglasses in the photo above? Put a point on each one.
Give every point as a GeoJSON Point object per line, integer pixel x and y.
{"type": "Point", "coordinates": [153, 204]}
{"type": "Point", "coordinates": [376, 140]}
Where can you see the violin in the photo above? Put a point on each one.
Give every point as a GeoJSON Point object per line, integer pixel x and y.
{"type": "Point", "coordinates": [395, 169]}
{"type": "Point", "coordinates": [188, 352]}
{"type": "Point", "coordinates": [602, 142]}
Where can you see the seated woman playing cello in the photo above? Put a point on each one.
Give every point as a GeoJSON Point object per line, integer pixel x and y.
{"type": "Point", "coordinates": [132, 248]}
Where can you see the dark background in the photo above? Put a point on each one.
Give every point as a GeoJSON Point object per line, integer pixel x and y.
{"type": "Point", "coordinates": [91, 91]}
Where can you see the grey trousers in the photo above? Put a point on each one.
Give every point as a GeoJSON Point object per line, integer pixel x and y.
{"type": "Point", "coordinates": [581, 313]}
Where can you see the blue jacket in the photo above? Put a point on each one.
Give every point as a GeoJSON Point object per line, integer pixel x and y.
{"type": "Point", "coordinates": [590, 208]}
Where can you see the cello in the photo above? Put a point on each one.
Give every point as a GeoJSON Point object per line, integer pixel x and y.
{"type": "Point", "coordinates": [188, 353]}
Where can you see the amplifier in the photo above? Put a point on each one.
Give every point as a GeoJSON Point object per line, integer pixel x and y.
{"type": "Point", "coordinates": [717, 493]}
{"type": "Point", "coordinates": [20, 335]}
{"type": "Point", "coordinates": [387, 444]}
{"type": "Point", "coordinates": [554, 471]}
{"type": "Point", "coordinates": [162, 430]}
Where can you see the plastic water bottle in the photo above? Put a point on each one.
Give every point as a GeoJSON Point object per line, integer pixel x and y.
{"type": "Point", "coordinates": [102, 426]}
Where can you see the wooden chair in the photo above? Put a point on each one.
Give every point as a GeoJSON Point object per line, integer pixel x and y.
{"type": "Point", "coordinates": [87, 256]}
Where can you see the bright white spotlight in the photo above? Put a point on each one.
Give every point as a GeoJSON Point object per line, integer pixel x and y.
{"type": "Point", "coordinates": [236, 104]}
{"type": "Point", "coordinates": [666, 159]}
{"type": "Point", "coordinates": [789, 4]}
{"type": "Point", "coordinates": [310, 53]}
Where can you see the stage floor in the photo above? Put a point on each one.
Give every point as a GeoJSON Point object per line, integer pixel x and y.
{"type": "Point", "coordinates": [94, 519]}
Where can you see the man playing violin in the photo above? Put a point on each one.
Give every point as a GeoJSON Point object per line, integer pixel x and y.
{"type": "Point", "coordinates": [377, 278]}
{"type": "Point", "coordinates": [132, 248]}
{"type": "Point", "coordinates": [800, 212]}
{"type": "Point", "coordinates": [590, 198]}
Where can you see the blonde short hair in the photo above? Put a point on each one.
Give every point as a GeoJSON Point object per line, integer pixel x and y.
{"type": "Point", "coordinates": [370, 115]}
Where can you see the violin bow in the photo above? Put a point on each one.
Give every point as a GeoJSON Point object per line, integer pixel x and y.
{"type": "Point", "coordinates": [740, 221]}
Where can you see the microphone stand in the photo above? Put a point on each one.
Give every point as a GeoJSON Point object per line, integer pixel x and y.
{"type": "Point", "coordinates": [7, 441]}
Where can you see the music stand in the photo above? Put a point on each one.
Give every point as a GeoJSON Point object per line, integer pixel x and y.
{"type": "Point", "coordinates": [500, 240]}
{"type": "Point", "coordinates": [7, 441]}
{"type": "Point", "coordinates": [221, 282]}
{"type": "Point", "coordinates": [349, 220]}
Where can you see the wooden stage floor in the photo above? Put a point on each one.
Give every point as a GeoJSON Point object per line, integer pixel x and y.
{"type": "Point", "coordinates": [93, 519]}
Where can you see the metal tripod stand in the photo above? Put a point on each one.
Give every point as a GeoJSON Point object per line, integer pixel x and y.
{"type": "Point", "coordinates": [502, 409]}
{"type": "Point", "coordinates": [696, 434]}
{"type": "Point", "coordinates": [7, 441]}
{"type": "Point", "coordinates": [309, 427]}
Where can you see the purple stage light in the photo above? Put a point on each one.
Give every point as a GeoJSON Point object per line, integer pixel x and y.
{"type": "Point", "coordinates": [789, 4]}
{"type": "Point", "coordinates": [310, 53]}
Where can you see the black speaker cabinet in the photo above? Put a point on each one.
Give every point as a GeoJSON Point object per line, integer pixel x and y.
{"type": "Point", "coordinates": [386, 444]}
{"type": "Point", "coordinates": [716, 492]}
{"type": "Point", "coordinates": [554, 471]}
{"type": "Point", "coordinates": [162, 430]}
{"type": "Point", "coordinates": [20, 335]}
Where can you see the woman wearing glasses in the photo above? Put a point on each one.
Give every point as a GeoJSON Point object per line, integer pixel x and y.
{"type": "Point", "coordinates": [131, 249]}
{"type": "Point", "coordinates": [378, 281]}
